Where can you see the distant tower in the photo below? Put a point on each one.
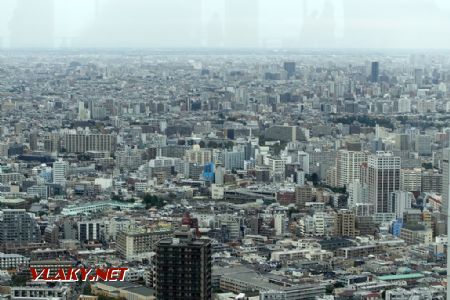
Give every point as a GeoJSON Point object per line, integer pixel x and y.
{"type": "Point", "coordinates": [279, 223]}
{"type": "Point", "coordinates": [418, 77]}
{"type": "Point", "coordinates": [33, 141]}
{"type": "Point", "coordinates": [375, 71]}
{"type": "Point", "coordinates": [289, 67]}
{"type": "Point", "coordinates": [83, 113]}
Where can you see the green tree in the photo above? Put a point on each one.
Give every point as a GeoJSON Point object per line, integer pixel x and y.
{"type": "Point", "coordinates": [212, 144]}
{"type": "Point", "coordinates": [153, 201]}
{"type": "Point", "coordinates": [314, 178]}
{"type": "Point", "coordinates": [19, 280]}
{"type": "Point", "coordinates": [229, 145]}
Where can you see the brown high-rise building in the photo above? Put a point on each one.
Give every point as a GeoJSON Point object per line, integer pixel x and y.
{"type": "Point", "coordinates": [303, 194]}
{"type": "Point", "coordinates": [346, 223]}
{"type": "Point", "coordinates": [183, 268]}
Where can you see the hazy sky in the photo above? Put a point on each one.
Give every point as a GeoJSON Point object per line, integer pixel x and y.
{"type": "Point", "coordinates": [226, 23]}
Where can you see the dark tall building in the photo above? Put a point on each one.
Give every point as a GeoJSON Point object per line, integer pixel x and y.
{"type": "Point", "coordinates": [33, 139]}
{"type": "Point", "coordinates": [289, 67]}
{"type": "Point", "coordinates": [183, 268]}
{"type": "Point", "coordinates": [375, 71]}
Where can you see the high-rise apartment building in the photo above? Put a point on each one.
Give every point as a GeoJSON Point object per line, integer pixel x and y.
{"type": "Point", "coordinates": [89, 230]}
{"type": "Point", "coordinates": [432, 182]}
{"type": "Point", "coordinates": [17, 226]}
{"type": "Point", "coordinates": [131, 243]}
{"type": "Point", "coordinates": [383, 179]}
{"type": "Point", "coordinates": [279, 225]}
{"type": "Point", "coordinates": [60, 169]}
{"type": "Point", "coordinates": [303, 194]}
{"type": "Point", "coordinates": [348, 164]}
{"type": "Point", "coordinates": [80, 143]}
{"type": "Point", "coordinates": [234, 159]}
{"type": "Point", "coordinates": [51, 142]}
{"type": "Point", "coordinates": [411, 180]}
{"type": "Point", "coordinates": [183, 268]}
{"type": "Point", "coordinates": [346, 223]}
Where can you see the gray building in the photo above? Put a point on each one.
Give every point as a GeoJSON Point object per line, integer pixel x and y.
{"type": "Point", "coordinates": [17, 226]}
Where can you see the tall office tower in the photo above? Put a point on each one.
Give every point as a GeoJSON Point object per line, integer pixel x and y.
{"type": "Point", "coordinates": [183, 268]}
{"type": "Point", "coordinates": [346, 223]}
{"type": "Point", "coordinates": [17, 226]}
{"type": "Point", "coordinates": [374, 71]}
{"type": "Point", "coordinates": [383, 179]}
{"type": "Point", "coordinates": [289, 67]}
{"type": "Point", "coordinates": [33, 139]}
{"type": "Point", "coordinates": [60, 169]}
{"type": "Point", "coordinates": [403, 142]}
{"type": "Point", "coordinates": [418, 77]}
{"type": "Point", "coordinates": [348, 165]}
